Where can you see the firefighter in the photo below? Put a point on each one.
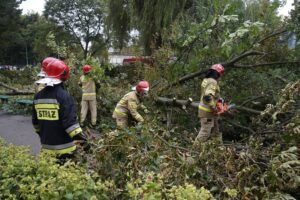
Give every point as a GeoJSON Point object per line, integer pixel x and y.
{"type": "Point", "coordinates": [210, 94]}
{"type": "Point", "coordinates": [42, 74]}
{"type": "Point", "coordinates": [54, 115]}
{"type": "Point", "coordinates": [126, 110]}
{"type": "Point", "coordinates": [88, 101]}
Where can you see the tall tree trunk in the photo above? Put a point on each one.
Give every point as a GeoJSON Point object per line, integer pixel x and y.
{"type": "Point", "coordinates": [85, 53]}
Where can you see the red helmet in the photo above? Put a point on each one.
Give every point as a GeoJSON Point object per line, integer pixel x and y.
{"type": "Point", "coordinates": [58, 69]}
{"type": "Point", "coordinates": [142, 87]}
{"type": "Point", "coordinates": [46, 61]}
{"type": "Point", "coordinates": [219, 68]}
{"type": "Point", "coordinates": [86, 69]}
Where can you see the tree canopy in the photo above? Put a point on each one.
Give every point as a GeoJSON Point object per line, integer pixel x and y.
{"type": "Point", "coordinates": [9, 31]}
{"type": "Point", "coordinates": [83, 19]}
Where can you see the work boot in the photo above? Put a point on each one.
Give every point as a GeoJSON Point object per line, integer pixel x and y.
{"type": "Point", "coordinates": [218, 140]}
{"type": "Point", "coordinates": [92, 126]}
{"type": "Point", "coordinates": [82, 124]}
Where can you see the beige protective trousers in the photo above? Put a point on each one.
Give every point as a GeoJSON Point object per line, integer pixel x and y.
{"type": "Point", "coordinates": [209, 130]}
{"type": "Point", "coordinates": [89, 105]}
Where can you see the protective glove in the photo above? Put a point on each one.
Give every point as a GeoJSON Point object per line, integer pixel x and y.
{"type": "Point", "coordinates": [80, 136]}
{"type": "Point", "coordinates": [139, 126]}
{"type": "Point", "coordinates": [146, 111]}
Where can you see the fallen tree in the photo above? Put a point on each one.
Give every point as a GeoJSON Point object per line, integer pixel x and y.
{"type": "Point", "coordinates": [190, 103]}
{"type": "Point", "coordinates": [233, 63]}
{"type": "Point", "coordinates": [15, 91]}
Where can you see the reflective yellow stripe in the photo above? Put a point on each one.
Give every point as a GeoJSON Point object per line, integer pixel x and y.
{"type": "Point", "coordinates": [205, 109]}
{"type": "Point", "coordinates": [89, 94]}
{"type": "Point", "coordinates": [139, 118]}
{"type": "Point", "coordinates": [75, 132]}
{"type": "Point", "coordinates": [46, 106]}
{"type": "Point", "coordinates": [122, 101]}
{"type": "Point", "coordinates": [120, 113]}
{"type": "Point", "coordinates": [61, 151]}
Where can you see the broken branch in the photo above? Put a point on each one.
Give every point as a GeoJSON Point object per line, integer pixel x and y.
{"type": "Point", "coordinates": [227, 64]}
{"type": "Point", "coordinates": [266, 64]}
{"type": "Point", "coordinates": [15, 91]}
{"type": "Point", "coordinates": [185, 103]}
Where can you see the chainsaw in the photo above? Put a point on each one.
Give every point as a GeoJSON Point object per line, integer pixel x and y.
{"type": "Point", "coordinates": [222, 106]}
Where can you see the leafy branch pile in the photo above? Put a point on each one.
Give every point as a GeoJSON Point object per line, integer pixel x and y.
{"type": "Point", "coordinates": [252, 171]}
{"type": "Point", "coordinates": [284, 116]}
{"type": "Point", "coordinates": [25, 177]}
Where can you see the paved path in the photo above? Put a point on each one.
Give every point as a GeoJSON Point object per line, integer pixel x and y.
{"type": "Point", "coordinates": [18, 130]}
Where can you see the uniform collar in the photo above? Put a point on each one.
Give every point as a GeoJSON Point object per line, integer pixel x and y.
{"type": "Point", "coordinates": [49, 81]}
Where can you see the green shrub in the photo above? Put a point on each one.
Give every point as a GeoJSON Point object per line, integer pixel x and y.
{"type": "Point", "coordinates": [23, 176]}
{"type": "Point", "coordinates": [151, 187]}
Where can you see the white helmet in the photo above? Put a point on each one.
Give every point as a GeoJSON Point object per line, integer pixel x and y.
{"type": "Point", "coordinates": [42, 74]}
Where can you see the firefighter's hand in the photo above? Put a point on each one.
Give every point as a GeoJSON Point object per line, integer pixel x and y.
{"type": "Point", "coordinates": [139, 125]}
{"type": "Point", "coordinates": [82, 144]}
{"type": "Point", "coordinates": [146, 111]}
{"type": "Point", "coordinates": [79, 143]}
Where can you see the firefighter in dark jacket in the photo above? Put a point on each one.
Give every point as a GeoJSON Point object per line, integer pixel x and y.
{"type": "Point", "coordinates": [54, 115]}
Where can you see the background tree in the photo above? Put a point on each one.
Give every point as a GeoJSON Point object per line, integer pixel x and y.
{"type": "Point", "coordinates": [10, 37]}
{"type": "Point", "coordinates": [119, 20]}
{"type": "Point", "coordinates": [83, 19]}
{"type": "Point", "coordinates": [149, 17]}
{"type": "Point", "coordinates": [41, 29]}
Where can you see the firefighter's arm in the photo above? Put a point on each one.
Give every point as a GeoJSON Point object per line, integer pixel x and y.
{"type": "Point", "coordinates": [96, 80]}
{"type": "Point", "coordinates": [80, 81]}
{"type": "Point", "coordinates": [35, 120]}
{"type": "Point", "coordinates": [209, 96]}
{"type": "Point", "coordinates": [69, 117]}
{"type": "Point", "coordinates": [132, 107]}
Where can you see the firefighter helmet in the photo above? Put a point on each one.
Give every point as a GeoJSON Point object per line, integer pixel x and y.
{"type": "Point", "coordinates": [58, 69]}
{"type": "Point", "coordinates": [86, 69]}
{"type": "Point", "coordinates": [46, 62]}
{"type": "Point", "coordinates": [219, 68]}
{"type": "Point", "coordinates": [142, 87]}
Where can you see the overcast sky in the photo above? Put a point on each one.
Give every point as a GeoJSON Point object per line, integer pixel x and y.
{"type": "Point", "coordinates": [33, 5]}
{"type": "Point", "coordinates": [38, 6]}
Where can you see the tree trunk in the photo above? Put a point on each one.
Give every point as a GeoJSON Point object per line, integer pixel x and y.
{"type": "Point", "coordinates": [190, 103]}
{"type": "Point", "coordinates": [15, 91]}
